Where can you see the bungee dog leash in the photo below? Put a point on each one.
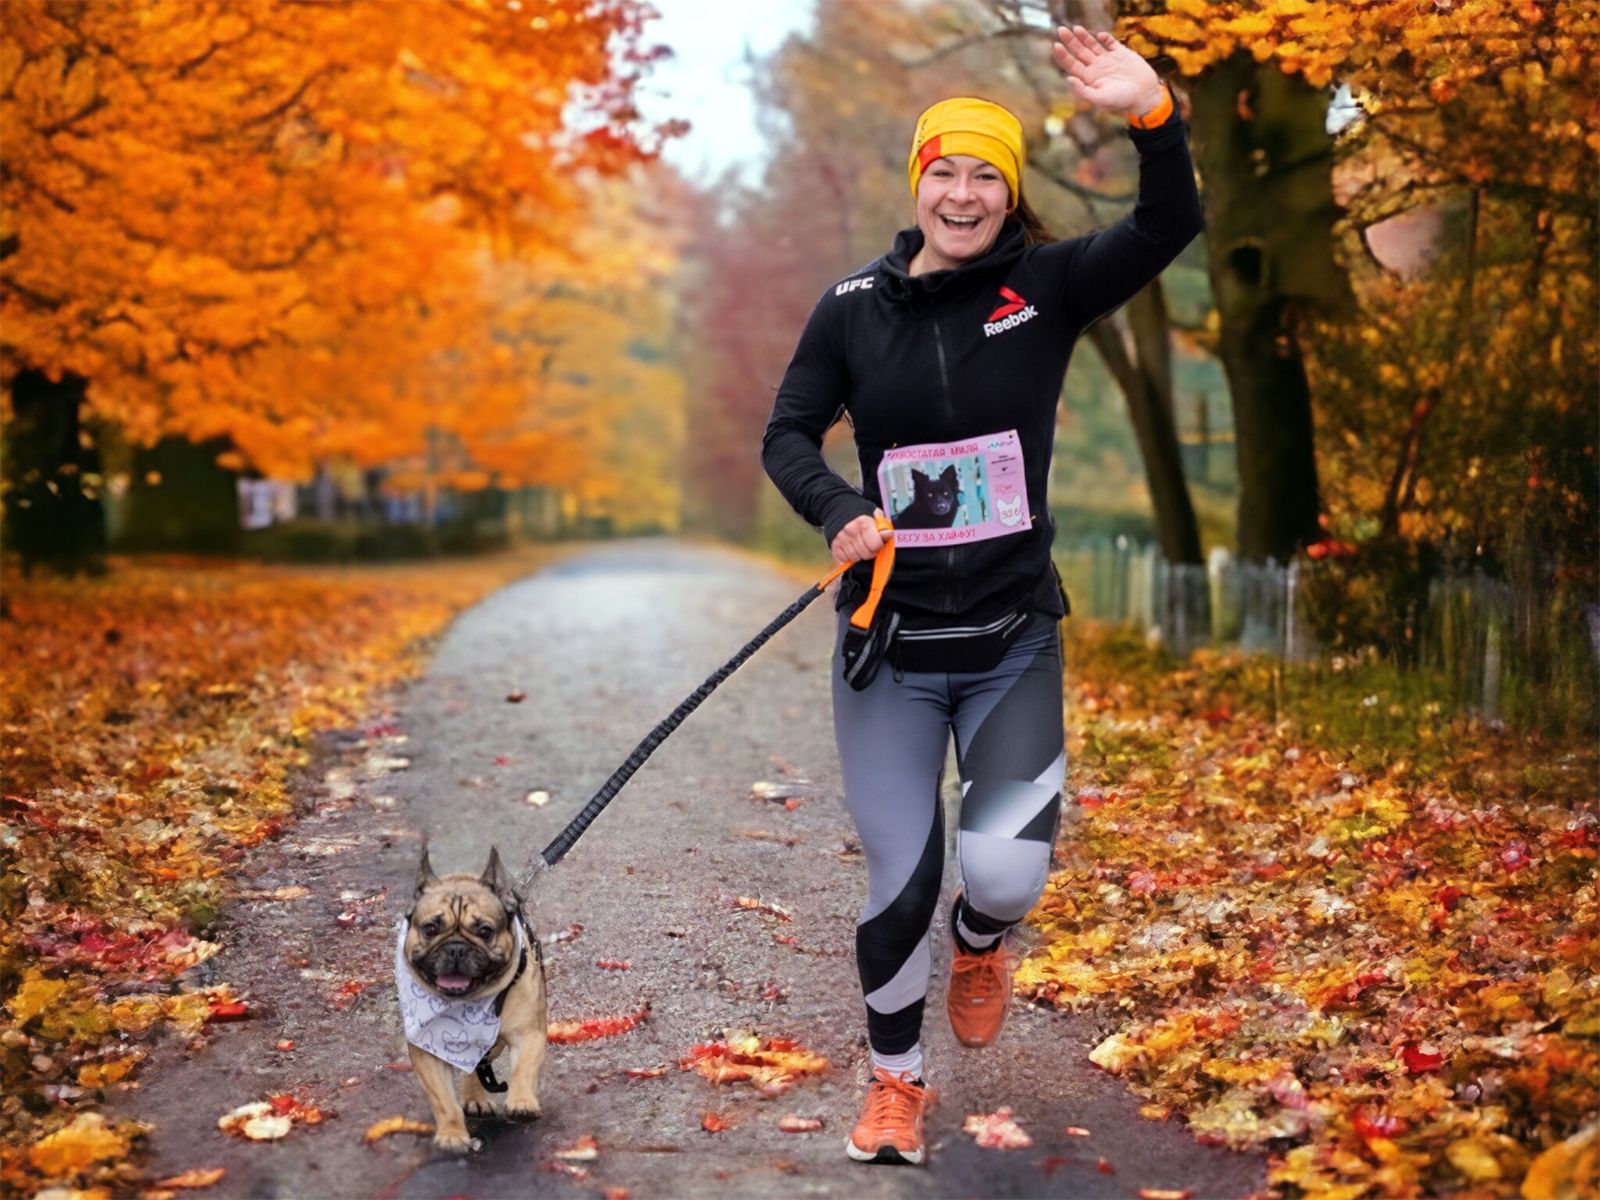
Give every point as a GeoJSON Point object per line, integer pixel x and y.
{"type": "Point", "coordinates": [861, 619]}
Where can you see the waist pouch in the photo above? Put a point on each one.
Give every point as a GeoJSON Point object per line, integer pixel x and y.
{"type": "Point", "coordinates": [949, 648]}
{"type": "Point", "coordinates": [959, 648]}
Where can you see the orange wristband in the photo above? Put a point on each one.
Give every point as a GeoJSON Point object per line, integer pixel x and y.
{"type": "Point", "coordinates": [1156, 116]}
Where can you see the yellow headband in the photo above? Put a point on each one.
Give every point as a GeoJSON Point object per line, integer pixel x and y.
{"type": "Point", "coordinates": [965, 125]}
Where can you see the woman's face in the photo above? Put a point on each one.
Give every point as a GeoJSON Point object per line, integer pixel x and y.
{"type": "Point", "coordinates": [961, 204]}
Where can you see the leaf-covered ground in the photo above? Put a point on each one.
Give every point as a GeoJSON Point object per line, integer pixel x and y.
{"type": "Point", "coordinates": [152, 722]}
{"type": "Point", "coordinates": [1385, 973]}
{"type": "Point", "coordinates": [1380, 964]}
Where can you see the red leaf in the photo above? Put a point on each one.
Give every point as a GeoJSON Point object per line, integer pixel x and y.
{"type": "Point", "coordinates": [1421, 1057]}
{"type": "Point", "coordinates": [586, 1030]}
{"type": "Point", "coordinates": [228, 1010]}
{"type": "Point", "coordinates": [516, 697]}
{"type": "Point", "coordinates": [1371, 1125]}
{"type": "Point", "coordinates": [1514, 857]}
{"type": "Point", "coordinates": [613, 964]}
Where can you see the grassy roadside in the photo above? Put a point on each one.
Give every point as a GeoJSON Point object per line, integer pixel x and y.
{"type": "Point", "coordinates": [151, 721]}
{"type": "Point", "coordinates": [1365, 942]}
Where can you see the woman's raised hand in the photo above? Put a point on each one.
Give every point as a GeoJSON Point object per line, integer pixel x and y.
{"type": "Point", "coordinates": [1105, 73]}
{"type": "Point", "coordinates": [859, 540]}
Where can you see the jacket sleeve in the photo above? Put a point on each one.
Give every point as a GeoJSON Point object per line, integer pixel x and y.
{"type": "Point", "coordinates": [1102, 270]}
{"type": "Point", "coordinates": [810, 399]}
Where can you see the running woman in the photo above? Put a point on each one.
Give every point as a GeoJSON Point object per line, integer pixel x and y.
{"type": "Point", "coordinates": [947, 354]}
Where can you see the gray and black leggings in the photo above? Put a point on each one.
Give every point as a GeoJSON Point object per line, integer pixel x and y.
{"type": "Point", "coordinates": [1010, 750]}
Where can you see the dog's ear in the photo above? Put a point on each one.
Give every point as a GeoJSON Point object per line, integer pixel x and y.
{"type": "Point", "coordinates": [497, 879]}
{"type": "Point", "coordinates": [918, 475]}
{"type": "Point", "coordinates": [425, 876]}
{"type": "Point", "coordinates": [948, 475]}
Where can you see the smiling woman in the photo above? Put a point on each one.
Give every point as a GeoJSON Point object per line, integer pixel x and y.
{"type": "Point", "coordinates": [948, 355]}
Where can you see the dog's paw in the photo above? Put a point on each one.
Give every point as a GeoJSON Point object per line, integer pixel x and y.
{"type": "Point", "coordinates": [456, 1143]}
{"type": "Point", "coordinates": [477, 1108]}
{"type": "Point", "coordinates": [522, 1110]}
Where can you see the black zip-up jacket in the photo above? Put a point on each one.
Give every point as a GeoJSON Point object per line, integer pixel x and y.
{"type": "Point", "coordinates": [915, 359]}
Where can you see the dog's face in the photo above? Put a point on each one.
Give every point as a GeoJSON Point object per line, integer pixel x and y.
{"type": "Point", "coordinates": [939, 494]}
{"type": "Point", "coordinates": [461, 936]}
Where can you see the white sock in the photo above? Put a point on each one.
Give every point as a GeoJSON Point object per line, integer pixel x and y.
{"type": "Point", "coordinates": [909, 1063]}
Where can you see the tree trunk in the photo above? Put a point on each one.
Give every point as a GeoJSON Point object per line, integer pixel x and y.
{"type": "Point", "coordinates": [1265, 159]}
{"type": "Point", "coordinates": [54, 516]}
{"type": "Point", "coordinates": [1150, 409]}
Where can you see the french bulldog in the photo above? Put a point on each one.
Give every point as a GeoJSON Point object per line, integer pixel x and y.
{"type": "Point", "coordinates": [471, 981]}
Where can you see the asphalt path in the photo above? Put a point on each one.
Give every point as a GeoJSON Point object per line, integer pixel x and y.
{"type": "Point", "coordinates": [600, 647]}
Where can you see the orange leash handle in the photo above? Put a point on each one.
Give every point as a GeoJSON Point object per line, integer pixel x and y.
{"type": "Point", "coordinates": [882, 567]}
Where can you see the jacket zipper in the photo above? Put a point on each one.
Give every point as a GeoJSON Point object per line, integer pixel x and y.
{"type": "Point", "coordinates": [950, 415]}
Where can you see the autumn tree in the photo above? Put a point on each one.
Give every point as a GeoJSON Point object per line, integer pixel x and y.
{"type": "Point", "coordinates": [1458, 402]}
{"type": "Point", "coordinates": [268, 221]}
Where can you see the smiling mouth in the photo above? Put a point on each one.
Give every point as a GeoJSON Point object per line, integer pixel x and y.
{"type": "Point", "coordinates": [454, 985]}
{"type": "Point", "coordinates": [960, 224]}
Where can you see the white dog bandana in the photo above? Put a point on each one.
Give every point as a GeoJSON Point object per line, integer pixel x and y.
{"type": "Point", "coordinates": [460, 1032]}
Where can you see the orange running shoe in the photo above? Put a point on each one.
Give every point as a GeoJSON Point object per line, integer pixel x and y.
{"type": "Point", "coordinates": [980, 993]}
{"type": "Point", "coordinates": [890, 1128]}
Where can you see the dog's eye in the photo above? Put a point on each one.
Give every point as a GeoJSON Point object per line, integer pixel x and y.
{"type": "Point", "coordinates": [431, 929]}
{"type": "Point", "coordinates": [483, 929]}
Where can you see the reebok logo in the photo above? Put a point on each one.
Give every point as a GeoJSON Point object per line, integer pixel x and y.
{"type": "Point", "coordinates": [1009, 315]}
{"type": "Point", "coordinates": [850, 285]}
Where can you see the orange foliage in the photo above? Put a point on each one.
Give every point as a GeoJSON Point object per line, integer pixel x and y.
{"type": "Point", "coordinates": [151, 724]}
{"type": "Point", "coordinates": [271, 221]}
{"type": "Point", "coordinates": [1385, 969]}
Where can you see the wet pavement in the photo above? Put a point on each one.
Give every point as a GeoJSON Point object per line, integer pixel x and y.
{"type": "Point", "coordinates": [603, 645]}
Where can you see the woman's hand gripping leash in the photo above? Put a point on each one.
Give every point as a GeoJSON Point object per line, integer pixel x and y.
{"type": "Point", "coordinates": [883, 563]}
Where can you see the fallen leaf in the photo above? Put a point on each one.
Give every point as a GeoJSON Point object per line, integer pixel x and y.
{"type": "Point", "coordinates": [382, 1129]}
{"type": "Point", "coordinates": [516, 697]}
{"type": "Point", "coordinates": [1421, 1057]}
{"type": "Point", "coordinates": [996, 1131]}
{"type": "Point", "coordinates": [613, 964]}
{"type": "Point", "coordinates": [292, 892]}
{"type": "Point", "coordinates": [751, 904]}
{"type": "Point", "coordinates": [197, 1177]}
{"type": "Point", "coordinates": [715, 1122]}
{"type": "Point", "coordinates": [585, 1149]}
{"type": "Point", "coordinates": [228, 1010]}
{"type": "Point", "coordinates": [794, 1124]}
{"type": "Point", "coordinates": [647, 1072]}
{"type": "Point", "coordinates": [589, 1028]}
{"type": "Point", "coordinates": [68, 1151]}
{"type": "Point", "coordinates": [538, 797]}
{"type": "Point", "coordinates": [770, 1064]}
{"type": "Point", "coordinates": [1076, 1131]}
{"type": "Point", "coordinates": [1165, 1193]}
{"type": "Point", "coordinates": [286, 1044]}
{"type": "Point", "coordinates": [255, 1121]}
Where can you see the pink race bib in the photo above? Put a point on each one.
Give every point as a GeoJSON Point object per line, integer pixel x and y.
{"type": "Point", "coordinates": [955, 492]}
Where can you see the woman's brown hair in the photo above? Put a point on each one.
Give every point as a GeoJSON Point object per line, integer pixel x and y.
{"type": "Point", "coordinates": [1033, 229]}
